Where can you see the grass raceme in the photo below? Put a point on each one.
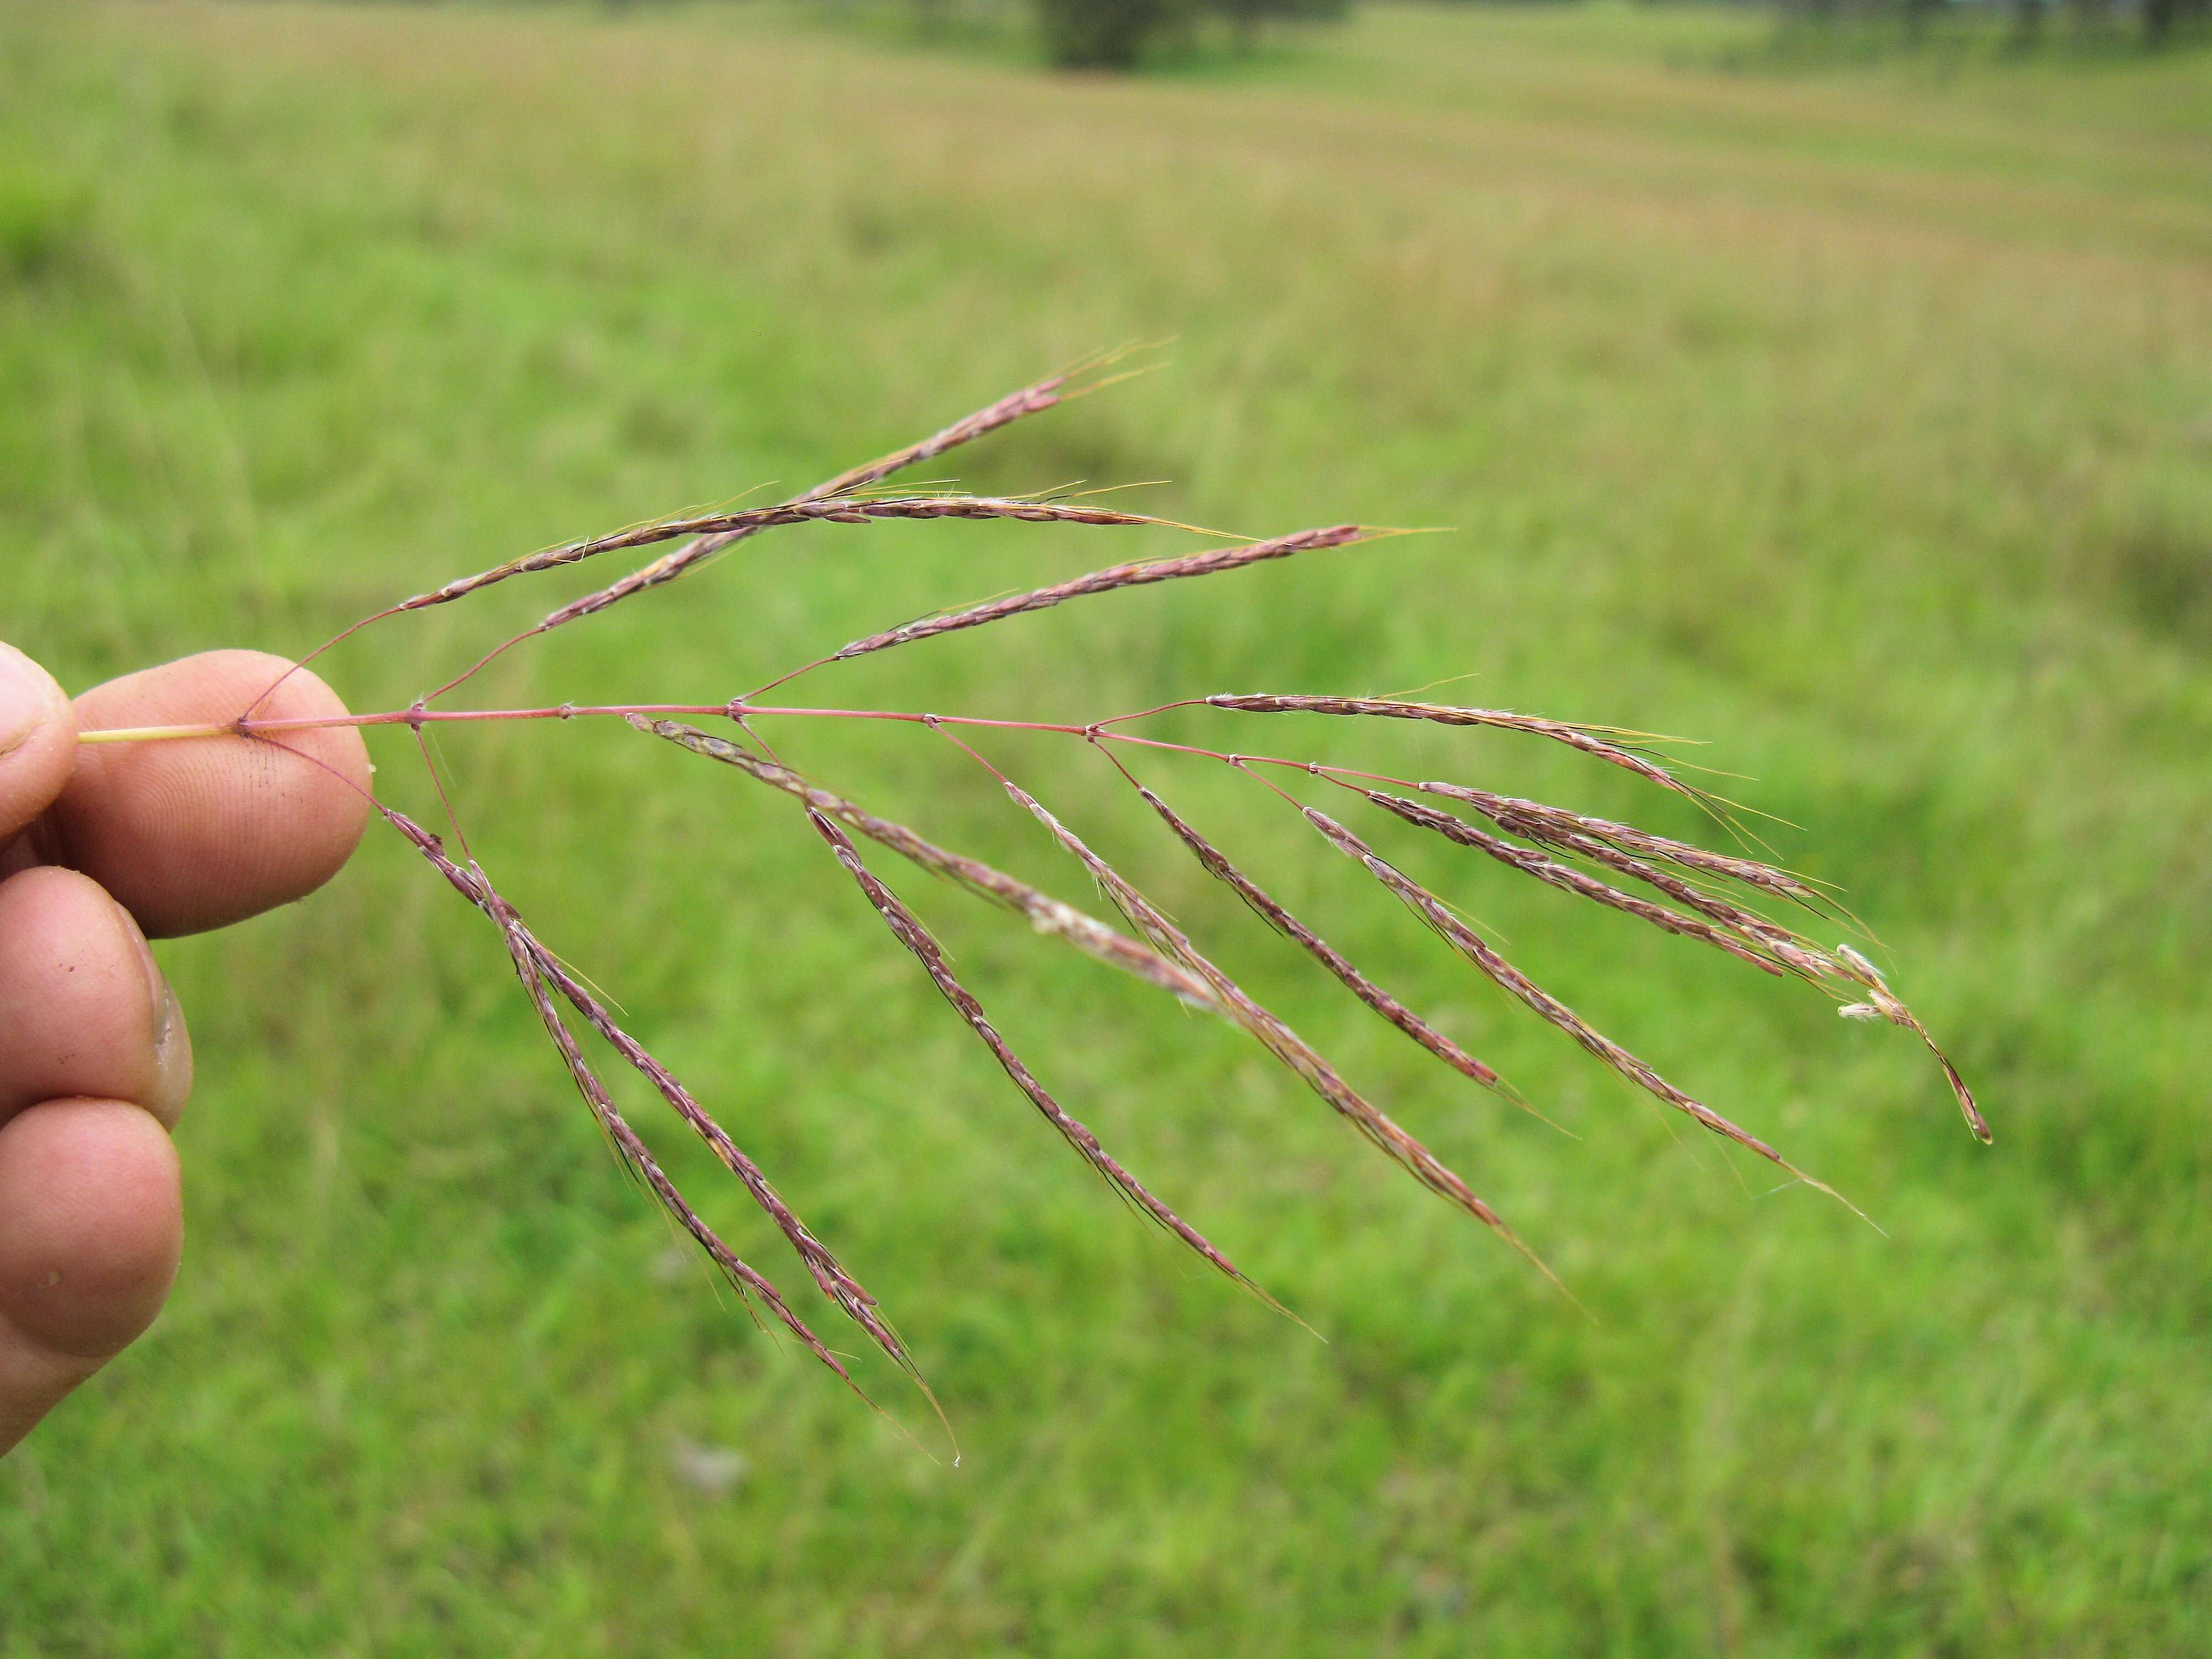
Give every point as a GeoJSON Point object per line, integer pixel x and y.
{"type": "Point", "coordinates": [1705, 896]}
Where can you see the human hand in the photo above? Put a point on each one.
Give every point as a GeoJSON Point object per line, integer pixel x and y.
{"type": "Point", "coordinates": [102, 846]}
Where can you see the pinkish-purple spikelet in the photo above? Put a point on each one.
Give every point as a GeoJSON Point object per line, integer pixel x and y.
{"type": "Point", "coordinates": [1217, 865]}
{"type": "Point", "coordinates": [1552, 872]}
{"type": "Point", "coordinates": [1030, 400]}
{"type": "Point", "coordinates": [1278, 1039]}
{"type": "Point", "coordinates": [841, 510]}
{"type": "Point", "coordinates": [1139, 574]}
{"type": "Point", "coordinates": [1555, 826]}
{"type": "Point", "coordinates": [1509, 979]}
{"type": "Point", "coordinates": [1590, 740]}
{"type": "Point", "coordinates": [1773, 947]}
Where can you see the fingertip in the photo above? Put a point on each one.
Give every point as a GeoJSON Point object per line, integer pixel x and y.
{"type": "Point", "coordinates": [337, 797]}
{"type": "Point", "coordinates": [38, 740]}
{"type": "Point", "coordinates": [85, 1010]}
{"type": "Point", "coordinates": [202, 832]}
{"type": "Point", "coordinates": [91, 1225]}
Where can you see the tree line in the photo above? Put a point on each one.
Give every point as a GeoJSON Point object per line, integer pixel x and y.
{"type": "Point", "coordinates": [2156, 23]}
{"type": "Point", "coordinates": [1113, 34]}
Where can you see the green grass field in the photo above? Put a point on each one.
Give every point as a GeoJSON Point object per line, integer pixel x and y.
{"type": "Point", "coordinates": [1857, 420]}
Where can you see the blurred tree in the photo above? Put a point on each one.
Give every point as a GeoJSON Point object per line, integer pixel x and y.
{"type": "Point", "coordinates": [1114, 34]}
{"type": "Point", "coordinates": [1105, 33]}
{"type": "Point", "coordinates": [2091, 17]}
{"type": "Point", "coordinates": [2163, 19]}
{"type": "Point", "coordinates": [1246, 17]}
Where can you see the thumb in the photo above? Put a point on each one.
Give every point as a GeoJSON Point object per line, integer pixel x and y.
{"type": "Point", "coordinates": [38, 743]}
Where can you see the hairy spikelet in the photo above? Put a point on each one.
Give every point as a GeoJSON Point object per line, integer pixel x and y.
{"type": "Point", "coordinates": [1884, 1002]}
{"type": "Point", "coordinates": [1611, 844]}
{"type": "Point", "coordinates": [1107, 581]}
{"type": "Point", "coordinates": [1030, 400]}
{"type": "Point", "coordinates": [1502, 973]}
{"type": "Point", "coordinates": [1590, 740]}
{"type": "Point", "coordinates": [1014, 406]}
{"type": "Point", "coordinates": [833, 1281]}
{"type": "Point", "coordinates": [1565, 876]}
{"type": "Point", "coordinates": [839, 510]}
{"type": "Point", "coordinates": [1217, 865]}
{"type": "Point", "coordinates": [1555, 826]}
{"type": "Point", "coordinates": [1277, 1038]}
{"type": "Point", "coordinates": [530, 959]}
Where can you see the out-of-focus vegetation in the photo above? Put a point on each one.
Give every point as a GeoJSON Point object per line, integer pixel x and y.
{"type": "Point", "coordinates": [1856, 418]}
{"type": "Point", "coordinates": [1117, 35]}
{"type": "Point", "coordinates": [1122, 34]}
{"type": "Point", "coordinates": [1114, 34]}
{"type": "Point", "coordinates": [2076, 28]}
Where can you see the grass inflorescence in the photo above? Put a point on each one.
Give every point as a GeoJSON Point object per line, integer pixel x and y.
{"type": "Point", "coordinates": [1550, 844]}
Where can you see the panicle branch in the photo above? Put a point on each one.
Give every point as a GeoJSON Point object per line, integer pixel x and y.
{"type": "Point", "coordinates": [1590, 740]}
{"type": "Point", "coordinates": [907, 929]}
{"type": "Point", "coordinates": [755, 520]}
{"type": "Point", "coordinates": [1502, 973]}
{"type": "Point", "coordinates": [530, 961]}
{"type": "Point", "coordinates": [1554, 873]}
{"type": "Point", "coordinates": [1047, 914]}
{"type": "Point", "coordinates": [1016, 405]}
{"type": "Point", "coordinates": [1106, 581]}
{"type": "Point", "coordinates": [1277, 1038]}
{"type": "Point", "coordinates": [1555, 826]}
{"type": "Point", "coordinates": [1217, 865]}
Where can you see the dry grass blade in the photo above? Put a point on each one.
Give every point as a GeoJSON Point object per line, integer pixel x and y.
{"type": "Point", "coordinates": [1217, 865]}
{"type": "Point", "coordinates": [907, 929]}
{"type": "Point", "coordinates": [1284, 1044]}
{"type": "Point", "coordinates": [1584, 738]}
{"type": "Point", "coordinates": [1508, 978]}
{"type": "Point", "coordinates": [1106, 581]}
{"type": "Point", "coordinates": [529, 958]}
{"type": "Point", "coordinates": [1567, 877]}
{"type": "Point", "coordinates": [1047, 914]}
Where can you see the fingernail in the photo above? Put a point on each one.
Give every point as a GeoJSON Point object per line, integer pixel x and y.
{"type": "Point", "coordinates": [165, 1003]}
{"type": "Point", "coordinates": [173, 1043]}
{"type": "Point", "coordinates": [172, 1054]}
{"type": "Point", "coordinates": [25, 699]}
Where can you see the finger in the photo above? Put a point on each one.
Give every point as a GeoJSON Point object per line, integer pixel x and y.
{"type": "Point", "coordinates": [202, 832]}
{"type": "Point", "coordinates": [37, 741]}
{"type": "Point", "coordinates": [91, 1226]}
{"type": "Point", "coordinates": [84, 1009]}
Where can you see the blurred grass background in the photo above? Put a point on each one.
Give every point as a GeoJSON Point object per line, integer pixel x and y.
{"type": "Point", "coordinates": [1855, 418]}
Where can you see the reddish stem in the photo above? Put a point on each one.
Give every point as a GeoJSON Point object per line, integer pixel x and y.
{"type": "Point", "coordinates": [740, 710]}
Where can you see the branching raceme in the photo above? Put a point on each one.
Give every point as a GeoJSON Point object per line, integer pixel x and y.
{"type": "Point", "coordinates": [1699, 894]}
